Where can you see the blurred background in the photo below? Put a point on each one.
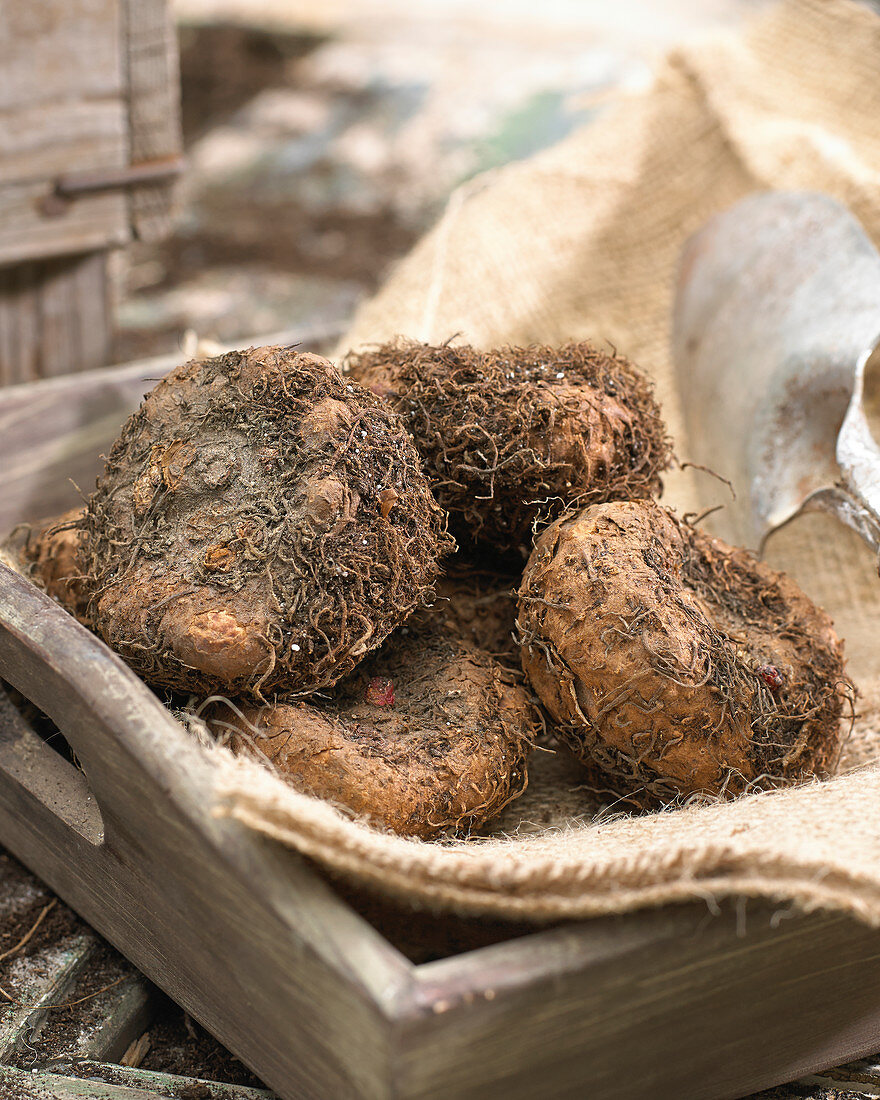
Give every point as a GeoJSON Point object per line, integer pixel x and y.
{"type": "Point", "coordinates": [322, 137]}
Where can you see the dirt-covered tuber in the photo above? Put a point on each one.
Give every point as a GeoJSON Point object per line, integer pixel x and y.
{"type": "Point", "coordinates": [428, 735]}
{"type": "Point", "coordinates": [261, 525]}
{"type": "Point", "coordinates": [674, 663]}
{"type": "Point", "coordinates": [518, 434]}
{"type": "Point", "coordinates": [50, 555]}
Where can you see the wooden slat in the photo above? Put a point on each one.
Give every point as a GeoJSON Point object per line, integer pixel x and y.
{"type": "Point", "coordinates": [129, 1008]}
{"type": "Point", "coordinates": [153, 108]}
{"type": "Point", "coordinates": [89, 223]}
{"type": "Point", "coordinates": [73, 996]}
{"type": "Point", "coordinates": [38, 987]}
{"type": "Point", "coordinates": [18, 330]}
{"type": "Point", "coordinates": [40, 143]}
{"type": "Point", "coordinates": [119, 1084]}
{"type": "Point", "coordinates": [670, 1003]}
{"type": "Point", "coordinates": [860, 1078]}
{"type": "Point", "coordinates": [60, 973]}
{"type": "Point", "coordinates": [58, 327]}
{"type": "Point", "coordinates": [53, 52]}
{"type": "Point", "coordinates": [91, 303]}
{"type": "Point", "coordinates": [55, 317]}
{"type": "Point", "coordinates": [62, 108]}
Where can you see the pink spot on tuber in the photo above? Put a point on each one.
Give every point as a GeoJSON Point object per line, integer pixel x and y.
{"type": "Point", "coordinates": [380, 692]}
{"type": "Point", "coordinates": [771, 676]}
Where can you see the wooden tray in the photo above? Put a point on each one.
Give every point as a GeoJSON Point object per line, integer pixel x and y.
{"type": "Point", "coordinates": [691, 1001]}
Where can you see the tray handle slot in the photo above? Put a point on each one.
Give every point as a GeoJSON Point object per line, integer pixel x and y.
{"type": "Point", "coordinates": [54, 782]}
{"type": "Point", "coordinates": [139, 760]}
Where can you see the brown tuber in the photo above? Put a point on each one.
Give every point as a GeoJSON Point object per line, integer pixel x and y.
{"type": "Point", "coordinates": [51, 556]}
{"type": "Point", "coordinates": [674, 663]}
{"type": "Point", "coordinates": [261, 525]}
{"type": "Point", "coordinates": [517, 435]}
{"type": "Point", "coordinates": [429, 735]}
{"type": "Point", "coordinates": [479, 605]}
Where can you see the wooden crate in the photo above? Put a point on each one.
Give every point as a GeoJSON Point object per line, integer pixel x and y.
{"type": "Point", "coordinates": [689, 1001]}
{"type": "Point", "coordinates": [89, 145]}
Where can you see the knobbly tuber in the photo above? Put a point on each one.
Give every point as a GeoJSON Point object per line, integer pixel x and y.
{"type": "Point", "coordinates": [428, 735]}
{"type": "Point", "coordinates": [674, 663]}
{"type": "Point", "coordinates": [517, 435]}
{"type": "Point", "coordinates": [50, 556]}
{"type": "Point", "coordinates": [261, 525]}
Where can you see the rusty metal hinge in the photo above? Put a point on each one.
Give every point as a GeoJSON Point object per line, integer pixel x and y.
{"type": "Point", "coordinates": [73, 184]}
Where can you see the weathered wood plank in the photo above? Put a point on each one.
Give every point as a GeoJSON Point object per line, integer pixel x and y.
{"type": "Point", "coordinates": [58, 324]}
{"type": "Point", "coordinates": [130, 1009]}
{"type": "Point", "coordinates": [93, 306]}
{"type": "Point", "coordinates": [18, 337]}
{"type": "Point", "coordinates": [36, 988]}
{"type": "Point", "coordinates": [51, 52]}
{"type": "Point", "coordinates": [40, 143]}
{"type": "Point", "coordinates": [50, 778]}
{"type": "Point", "coordinates": [90, 223]}
{"type": "Point", "coordinates": [107, 1021]}
{"type": "Point", "coordinates": [62, 107]}
{"type": "Point", "coordinates": [55, 317]}
{"type": "Point", "coordinates": [120, 1084]}
{"type": "Point", "coordinates": [73, 996]}
{"type": "Point", "coordinates": [670, 1003]}
{"type": "Point", "coordinates": [153, 108]}
{"type": "Point", "coordinates": [860, 1078]}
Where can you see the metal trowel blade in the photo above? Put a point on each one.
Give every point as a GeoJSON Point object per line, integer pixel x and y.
{"type": "Point", "coordinates": [777, 311]}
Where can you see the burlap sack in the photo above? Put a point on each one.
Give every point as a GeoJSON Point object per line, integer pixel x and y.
{"type": "Point", "coordinates": [583, 241]}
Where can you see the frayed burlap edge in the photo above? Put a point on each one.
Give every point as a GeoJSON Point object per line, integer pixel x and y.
{"type": "Point", "coordinates": [743, 848]}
